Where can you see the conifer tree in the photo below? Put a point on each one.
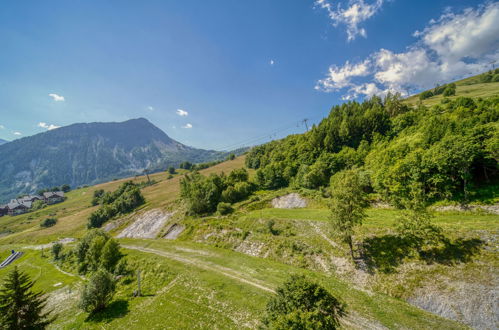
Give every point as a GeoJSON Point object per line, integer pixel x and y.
{"type": "Point", "coordinates": [20, 306]}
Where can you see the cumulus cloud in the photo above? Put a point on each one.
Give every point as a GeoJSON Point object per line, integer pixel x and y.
{"type": "Point", "coordinates": [57, 98]}
{"type": "Point", "coordinates": [340, 77]}
{"type": "Point", "coordinates": [357, 12]}
{"type": "Point", "coordinates": [47, 126]}
{"type": "Point", "coordinates": [182, 113]}
{"type": "Point", "coordinates": [187, 126]}
{"type": "Point", "coordinates": [448, 48]}
{"type": "Point", "coordinates": [150, 108]}
{"type": "Point", "coordinates": [18, 133]}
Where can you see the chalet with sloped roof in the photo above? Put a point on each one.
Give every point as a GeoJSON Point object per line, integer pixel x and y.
{"type": "Point", "coordinates": [53, 197]}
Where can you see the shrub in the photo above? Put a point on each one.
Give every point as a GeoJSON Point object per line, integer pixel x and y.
{"type": "Point", "coordinates": [49, 222]}
{"type": "Point", "coordinates": [171, 170]}
{"type": "Point", "coordinates": [224, 208]}
{"type": "Point", "coordinates": [449, 91]}
{"type": "Point", "coordinates": [301, 304]}
{"type": "Point", "coordinates": [425, 95]}
{"type": "Point", "coordinates": [99, 291]}
{"type": "Point", "coordinates": [56, 250]}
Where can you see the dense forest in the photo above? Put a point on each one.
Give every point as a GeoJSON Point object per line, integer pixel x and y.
{"type": "Point", "coordinates": [448, 151]}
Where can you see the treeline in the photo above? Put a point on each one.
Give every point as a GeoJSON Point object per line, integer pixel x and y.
{"type": "Point", "coordinates": [446, 90]}
{"type": "Point", "coordinates": [125, 199]}
{"type": "Point", "coordinates": [441, 152]}
{"type": "Point", "coordinates": [207, 194]}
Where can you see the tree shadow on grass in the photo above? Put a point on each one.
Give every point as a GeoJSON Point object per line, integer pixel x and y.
{"type": "Point", "coordinates": [461, 250]}
{"type": "Point", "coordinates": [387, 252]}
{"type": "Point", "coordinates": [116, 309]}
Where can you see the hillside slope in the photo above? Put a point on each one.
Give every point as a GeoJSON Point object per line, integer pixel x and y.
{"type": "Point", "coordinates": [82, 154]}
{"type": "Point", "coordinates": [474, 86]}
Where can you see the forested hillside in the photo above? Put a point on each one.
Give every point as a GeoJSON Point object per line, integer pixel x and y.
{"type": "Point", "coordinates": [447, 151]}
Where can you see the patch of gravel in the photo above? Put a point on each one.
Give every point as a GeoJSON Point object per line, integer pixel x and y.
{"type": "Point", "coordinates": [173, 231]}
{"type": "Point", "coordinates": [494, 209]}
{"type": "Point", "coordinates": [250, 248]}
{"type": "Point", "coordinates": [289, 201]}
{"type": "Point", "coordinates": [147, 225]}
{"type": "Point", "coordinates": [473, 304]}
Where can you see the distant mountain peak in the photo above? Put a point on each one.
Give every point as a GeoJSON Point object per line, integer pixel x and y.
{"type": "Point", "coordinates": [88, 153]}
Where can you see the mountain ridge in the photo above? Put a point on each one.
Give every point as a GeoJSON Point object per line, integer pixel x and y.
{"type": "Point", "coordinates": [89, 153]}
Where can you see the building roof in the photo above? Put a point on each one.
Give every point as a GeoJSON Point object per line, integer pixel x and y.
{"type": "Point", "coordinates": [49, 194]}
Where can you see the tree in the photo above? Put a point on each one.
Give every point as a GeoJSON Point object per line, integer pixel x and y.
{"type": "Point", "coordinates": [56, 250]}
{"type": "Point", "coordinates": [95, 251]}
{"type": "Point", "coordinates": [65, 188]}
{"type": "Point", "coordinates": [171, 170]}
{"type": "Point", "coordinates": [348, 201]}
{"type": "Point", "coordinates": [20, 307]}
{"type": "Point", "coordinates": [110, 255]}
{"type": "Point", "coordinates": [301, 304]}
{"type": "Point", "coordinates": [98, 292]}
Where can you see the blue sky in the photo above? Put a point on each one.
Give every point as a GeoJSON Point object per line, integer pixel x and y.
{"type": "Point", "coordinates": [242, 72]}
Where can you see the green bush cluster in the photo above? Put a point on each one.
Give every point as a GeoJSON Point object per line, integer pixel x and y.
{"type": "Point", "coordinates": [204, 193]}
{"type": "Point", "coordinates": [49, 222]}
{"type": "Point", "coordinates": [443, 151]}
{"type": "Point", "coordinates": [125, 199]}
{"type": "Point", "coordinates": [97, 250]}
{"type": "Point", "coordinates": [446, 90]}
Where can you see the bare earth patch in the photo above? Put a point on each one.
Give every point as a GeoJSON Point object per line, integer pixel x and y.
{"type": "Point", "coordinates": [147, 225]}
{"type": "Point", "coordinates": [290, 201]}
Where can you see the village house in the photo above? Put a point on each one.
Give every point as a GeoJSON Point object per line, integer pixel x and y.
{"type": "Point", "coordinates": [24, 204]}
{"type": "Point", "coordinates": [52, 197]}
{"type": "Point", "coordinates": [18, 206]}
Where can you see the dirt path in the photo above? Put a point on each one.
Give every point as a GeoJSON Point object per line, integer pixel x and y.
{"type": "Point", "coordinates": [231, 273]}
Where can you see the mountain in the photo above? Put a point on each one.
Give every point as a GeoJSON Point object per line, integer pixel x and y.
{"type": "Point", "coordinates": [3, 141]}
{"type": "Point", "coordinates": [83, 154]}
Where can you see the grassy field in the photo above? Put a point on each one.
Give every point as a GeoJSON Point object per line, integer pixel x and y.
{"type": "Point", "coordinates": [222, 270]}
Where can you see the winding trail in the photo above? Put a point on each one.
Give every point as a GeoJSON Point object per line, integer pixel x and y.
{"type": "Point", "coordinates": [228, 272]}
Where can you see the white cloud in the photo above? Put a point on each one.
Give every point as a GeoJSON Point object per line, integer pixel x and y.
{"type": "Point", "coordinates": [2, 127]}
{"type": "Point", "coordinates": [449, 48]}
{"type": "Point", "coordinates": [272, 62]}
{"type": "Point", "coordinates": [57, 98]}
{"type": "Point", "coordinates": [187, 126]}
{"type": "Point", "coordinates": [47, 126]}
{"type": "Point", "coordinates": [357, 12]}
{"type": "Point", "coordinates": [340, 77]}
{"type": "Point", "coordinates": [150, 108]}
{"type": "Point", "coordinates": [18, 133]}
{"type": "Point", "coordinates": [182, 113]}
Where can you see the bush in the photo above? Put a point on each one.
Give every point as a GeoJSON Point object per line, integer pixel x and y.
{"type": "Point", "coordinates": [425, 95]}
{"type": "Point", "coordinates": [125, 199]}
{"type": "Point", "coordinates": [38, 205]}
{"type": "Point", "coordinates": [449, 91]}
{"type": "Point", "coordinates": [301, 304]}
{"type": "Point", "coordinates": [171, 170]}
{"type": "Point", "coordinates": [224, 208]}
{"type": "Point", "coordinates": [49, 222]}
{"type": "Point", "coordinates": [56, 250]}
{"type": "Point", "coordinates": [99, 291]}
